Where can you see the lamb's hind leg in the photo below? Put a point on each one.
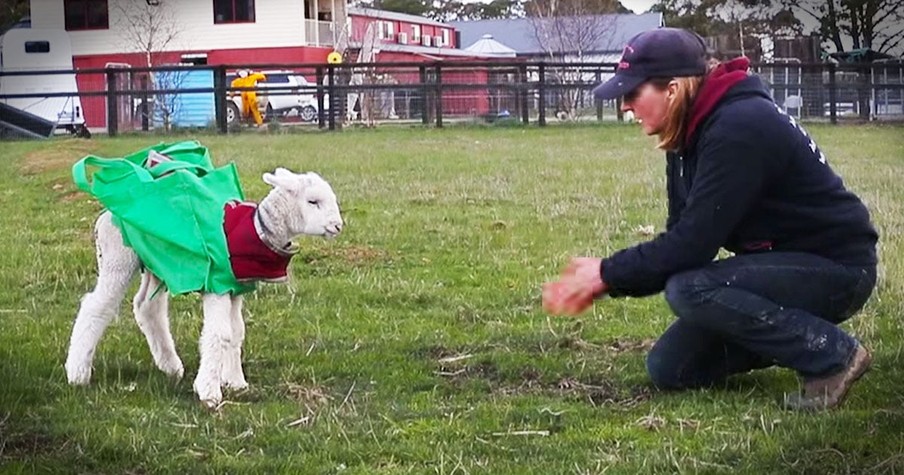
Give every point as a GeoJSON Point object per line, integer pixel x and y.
{"type": "Point", "coordinates": [116, 264]}
{"type": "Point", "coordinates": [151, 313]}
{"type": "Point", "coordinates": [216, 340]}
{"type": "Point", "coordinates": [231, 373]}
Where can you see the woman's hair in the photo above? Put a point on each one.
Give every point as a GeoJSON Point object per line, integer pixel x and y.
{"type": "Point", "coordinates": [679, 110]}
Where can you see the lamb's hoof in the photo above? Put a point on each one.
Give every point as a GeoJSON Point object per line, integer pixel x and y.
{"type": "Point", "coordinates": [236, 386]}
{"type": "Point", "coordinates": [78, 375]}
{"type": "Point", "coordinates": [234, 381]}
{"type": "Point", "coordinates": [209, 393]}
{"type": "Point", "coordinates": [210, 404]}
{"type": "Point", "coordinates": [173, 369]}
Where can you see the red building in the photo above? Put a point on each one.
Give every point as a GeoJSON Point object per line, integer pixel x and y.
{"type": "Point", "coordinates": [108, 33]}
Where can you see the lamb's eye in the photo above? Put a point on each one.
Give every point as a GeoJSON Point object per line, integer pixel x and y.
{"type": "Point", "coordinates": [314, 202]}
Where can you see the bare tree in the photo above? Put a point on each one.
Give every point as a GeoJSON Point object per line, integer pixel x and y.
{"type": "Point", "coordinates": [152, 30]}
{"type": "Point", "coordinates": [570, 28]}
{"type": "Point", "coordinates": [572, 31]}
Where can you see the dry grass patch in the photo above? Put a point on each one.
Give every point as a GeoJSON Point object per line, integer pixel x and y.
{"type": "Point", "coordinates": [350, 254]}
{"type": "Point", "coordinates": [57, 156]}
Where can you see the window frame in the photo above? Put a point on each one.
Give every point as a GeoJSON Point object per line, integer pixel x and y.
{"type": "Point", "coordinates": [385, 30]}
{"type": "Point", "coordinates": [37, 47]}
{"type": "Point", "coordinates": [85, 26]}
{"type": "Point", "coordinates": [252, 10]}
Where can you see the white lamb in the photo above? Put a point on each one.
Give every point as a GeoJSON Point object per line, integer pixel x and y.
{"type": "Point", "coordinates": [298, 204]}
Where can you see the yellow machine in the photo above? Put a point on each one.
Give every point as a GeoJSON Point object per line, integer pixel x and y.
{"type": "Point", "coordinates": [249, 98]}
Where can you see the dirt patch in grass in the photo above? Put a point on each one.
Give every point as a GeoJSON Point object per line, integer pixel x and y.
{"type": "Point", "coordinates": [72, 197]}
{"type": "Point", "coordinates": [629, 345]}
{"type": "Point", "coordinates": [602, 392]}
{"type": "Point", "coordinates": [458, 371]}
{"type": "Point", "coordinates": [308, 395]}
{"type": "Point", "coordinates": [57, 156]}
{"type": "Point", "coordinates": [434, 352]}
{"type": "Point", "coordinates": [27, 445]}
{"type": "Point", "coordinates": [625, 345]}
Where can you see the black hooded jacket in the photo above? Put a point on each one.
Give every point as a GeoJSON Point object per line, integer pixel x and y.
{"type": "Point", "coordinates": [750, 179]}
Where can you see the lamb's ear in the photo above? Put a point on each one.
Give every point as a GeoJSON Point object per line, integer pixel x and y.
{"type": "Point", "coordinates": [310, 178]}
{"type": "Point", "coordinates": [282, 178]}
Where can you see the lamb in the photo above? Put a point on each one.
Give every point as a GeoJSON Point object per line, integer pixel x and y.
{"type": "Point", "coordinates": [298, 204]}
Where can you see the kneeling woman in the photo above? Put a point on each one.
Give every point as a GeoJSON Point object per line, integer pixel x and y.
{"type": "Point", "coordinates": [744, 176]}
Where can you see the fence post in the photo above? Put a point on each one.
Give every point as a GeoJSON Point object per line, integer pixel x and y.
{"type": "Point", "coordinates": [220, 96]}
{"type": "Point", "coordinates": [147, 110]}
{"type": "Point", "coordinates": [425, 92]}
{"type": "Point", "coordinates": [541, 88]}
{"type": "Point", "coordinates": [331, 87]}
{"type": "Point", "coordinates": [599, 103]}
{"type": "Point", "coordinates": [522, 93]}
{"type": "Point", "coordinates": [833, 95]}
{"type": "Point", "coordinates": [320, 113]}
{"type": "Point", "coordinates": [439, 96]}
{"type": "Point", "coordinates": [112, 115]}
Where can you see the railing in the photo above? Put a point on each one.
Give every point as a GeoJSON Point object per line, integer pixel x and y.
{"type": "Point", "coordinates": [437, 93]}
{"type": "Point", "coordinates": [318, 33]}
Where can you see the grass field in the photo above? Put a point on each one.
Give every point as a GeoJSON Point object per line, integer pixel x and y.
{"type": "Point", "coordinates": [415, 342]}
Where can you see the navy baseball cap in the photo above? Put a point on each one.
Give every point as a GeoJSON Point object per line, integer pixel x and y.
{"type": "Point", "coordinates": [659, 53]}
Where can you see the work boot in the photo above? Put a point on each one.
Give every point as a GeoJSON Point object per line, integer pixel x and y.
{"type": "Point", "coordinates": [829, 391]}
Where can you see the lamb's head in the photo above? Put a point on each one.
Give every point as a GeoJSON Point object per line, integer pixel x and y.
{"type": "Point", "coordinates": [303, 203]}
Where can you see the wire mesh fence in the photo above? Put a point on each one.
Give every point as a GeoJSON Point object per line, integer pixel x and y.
{"type": "Point", "coordinates": [121, 98]}
{"type": "Point", "coordinates": [829, 91]}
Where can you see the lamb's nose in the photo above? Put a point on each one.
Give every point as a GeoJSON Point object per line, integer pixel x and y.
{"type": "Point", "coordinates": [337, 228]}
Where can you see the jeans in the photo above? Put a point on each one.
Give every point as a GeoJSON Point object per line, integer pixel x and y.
{"type": "Point", "coordinates": [758, 310]}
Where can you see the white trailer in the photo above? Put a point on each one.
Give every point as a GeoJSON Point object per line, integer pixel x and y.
{"type": "Point", "coordinates": [37, 50]}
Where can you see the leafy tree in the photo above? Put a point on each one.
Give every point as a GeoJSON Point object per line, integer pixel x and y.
{"type": "Point", "coordinates": [461, 10]}
{"type": "Point", "coordinates": [563, 8]}
{"type": "Point", "coordinates": [842, 24]}
{"type": "Point", "coordinates": [12, 11]}
{"type": "Point", "coordinates": [873, 24]}
{"type": "Point", "coordinates": [743, 22]}
{"type": "Point", "coordinates": [719, 17]}
{"type": "Point", "coordinates": [411, 7]}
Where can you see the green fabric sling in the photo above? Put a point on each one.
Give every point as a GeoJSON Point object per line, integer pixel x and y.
{"type": "Point", "coordinates": [171, 214]}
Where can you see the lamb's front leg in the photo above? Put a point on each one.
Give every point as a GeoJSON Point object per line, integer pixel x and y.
{"type": "Point", "coordinates": [232, 375]}
{"type": "Point", "coordinates": [216, 340]}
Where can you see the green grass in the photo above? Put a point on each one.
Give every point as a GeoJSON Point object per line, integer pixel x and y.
{"type": "Point", "coordinates": [415, 342]}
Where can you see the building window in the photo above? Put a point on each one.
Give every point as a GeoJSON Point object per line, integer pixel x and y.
{"type": "Point", "coordinates": [416, 33]}
{"type": "Point", "coordinates": [385, 30]}
{"type": "Point", "coordinates": [86, 15]}
{"type": "Point", "coordinates": [446, 41]}
{"type": "Point", "coordinates": [37, 46]}
{"type": "Point", "coordinates": [233, 11]}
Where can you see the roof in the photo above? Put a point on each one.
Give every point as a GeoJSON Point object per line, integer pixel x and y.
{"type": "Point", "coordinates": [488, 46]}
{"type": "Point", "coordinates": [432, 52]}
{"type": "Point", "coordinates": [388, 15]}
{"type": "Point", "coordinates": [861, 55]}
{"type": "Point", "coordinates": [519, 34]}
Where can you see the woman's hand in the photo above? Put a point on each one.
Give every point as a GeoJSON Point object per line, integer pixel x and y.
{"type": "Point", "coordinates": [574, 292]}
